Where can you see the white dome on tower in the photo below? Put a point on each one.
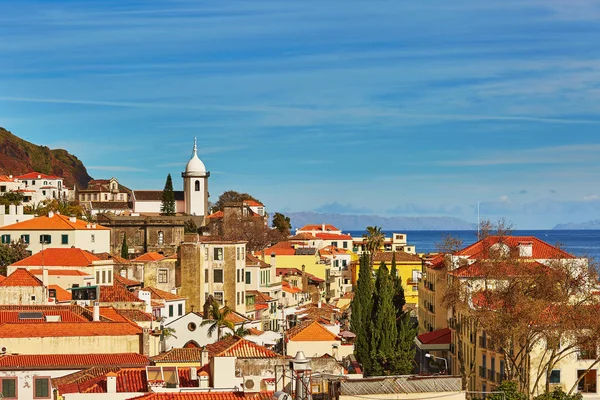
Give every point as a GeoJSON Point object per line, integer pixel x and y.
{"type": "Point", "coordinates": [195, 165]}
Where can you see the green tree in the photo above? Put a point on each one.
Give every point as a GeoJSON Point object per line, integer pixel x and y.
{"type": "Point", "coordinates": [510, 391]}
{"type": "Point", "coordinates": [11, 253]}
{"type": "Point", "coordinates": [399, 300]}
{"type": "Point", "coordinates": [282, 223]}
{"type": "Point", "coordinates": [190, 226]}
{"type": "Point", "coordinates": [558, 394]}
{"type": "Point", "coordinates": [241, 332]}
{"type": "Point", "coordinates": [9, 198]}
{"type": "Point", "coordinates": [375, 239]}
{"type": "Point", "coordinates": [402, 361]}
{"type": "Point", "coordinates": [217, 319]}
{"type": "Point", "coordinates": [384, 334]}
{"type": "Point", "coordinates": [125, 248]}
{"type": "Point", "coordinates": [167, 206]}
{"type": "Point", "coordinates": [361, 312]}
{"type": "Point", "coordinates": [231, 196]}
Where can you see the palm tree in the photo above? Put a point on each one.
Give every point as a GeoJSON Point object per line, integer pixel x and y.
{"type": "Point", "coordinates": [375, 239]}
{"type": "Point", "coordinates": [241, 332]}
{"type": "Point", "coordinates": [217, 319]}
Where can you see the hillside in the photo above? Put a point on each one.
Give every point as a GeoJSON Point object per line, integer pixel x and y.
{"type": "Point", "coordinates": [595, 224]}
{"type": "Point", "coordinates": [356, 222]}
{"type": "Point", "coordinates": [18, 156]}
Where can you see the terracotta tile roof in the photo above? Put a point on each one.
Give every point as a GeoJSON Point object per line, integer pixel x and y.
{"type": "Point", "coordinates": [59, 257]}
{"type": "Point", "coordinates": [436, 262]}
{"type": "Point", "coordinates": [61, 294]}
{"type": "Point", "coordinates": [315, 227]}
{"type": "Point", "coordinates": [303, 236]}
{"type": "Point", "coordinates": [332, 251]}
{"type": "Point", "coordinates": [286, 287]}
{"type": "Point", "coordinates": [441, 336]}
{"type": "Point", "coordinates": [79, 381]}
{"type": "Point", "coordinates": [7, 178]}
{"type": "Point", "coordinates": [259, 296]}
{"type": "Point", "coordinates": [193, 354]}
{"type": "Point", "coordinates": [71, 361]}
{"type": "Point", "coordinates": [235, 346]}
{"type": "Point", "coordinates": [499, 269]}
{"type": "Point", "coordinates": [217, 215]}
{"type": "Point", "coordinates": [332, 236]}
{"type": "Point", "coordinates": [2, 277]}
{"type": "Point", "coordinates": [157, 294]}
{"type": "Point", "coordinates": [117, 293]}
{"type": "Point", "coordinates": [540, 249]}
{"type": "Point", "coordinates": [116, 258]}
{"type": "Point", "coordinates": [255, 332]}
{"type": "Point", "coordinates": [37, 175]}
{"type": "Point", "coordinates": [151, 256]}
{"type": "Point", "coordinates": [401, 256]}
{"type": "Point", "coordinates": [21, 277]}
{"type": "Point", "coordinates": [56, 222]}
{"type": "Point", "coordinates": [136, 315]}
{"type": "Point", "coordinates": [74, 308]}
{"type": "Point", "coordinates": [67, 329]}
{"type": "Point", "coordinates": [134, 380]}
{"type": "Point", "coordinates": [253, 261]}
{"type": "Point", "coordinates": [310, 331]}
{"type": "Point", "coordinates": [66, 315]}
{"type": "Point", "coordinates": [253, 203]}
{"type": "Point", "coordinates": [297, 272]}
{"type": "Point", "coordinates": [126, 281]}
{"type": "Point", "coordinates": [111, 314]}
{"type": "Point", "coordinates": [60, 272]}
{"type": "Point", "coordinates": [281, 249]}
{"type": "Point", "coordinates": [206, 396]}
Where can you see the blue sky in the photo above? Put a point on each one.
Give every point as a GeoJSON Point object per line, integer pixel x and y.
{"type": "Point", "coordinates": [384, 107]}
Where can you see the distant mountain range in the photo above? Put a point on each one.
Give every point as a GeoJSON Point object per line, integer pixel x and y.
{"type": "Point", "coordinates": [595, 224]}
{"type": "Point", "coordinates": [360, 222]}
{"type": "Point", "coordinates": [18, 156]}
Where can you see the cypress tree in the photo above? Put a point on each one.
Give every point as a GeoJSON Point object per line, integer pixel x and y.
{"type": "Point", "coordinates": [361, 312]}
{"type": "Point", "coordinates": [402, 362]}
{"type": "Point", "coordinates": [384, 316]}
{"type": "Point", "coordinates": [125, 248]}
{"type": "Point", "coordinates": [399, 299]}
{"type": "Point", "coordinates": [167, 206]}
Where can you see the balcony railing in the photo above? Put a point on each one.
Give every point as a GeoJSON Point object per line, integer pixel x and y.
{"type": "Point", "coordinates": [482, 342]}
{"type": "Point", "coordinates": [491, 375]}
{"type": "Point", "coordinates": [499, 377]}
{"type": "Point", "coordinates": [482, 372]}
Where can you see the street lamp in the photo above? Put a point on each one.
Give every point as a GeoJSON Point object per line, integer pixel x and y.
{"type": "Point", "coordinates": [434, 358]}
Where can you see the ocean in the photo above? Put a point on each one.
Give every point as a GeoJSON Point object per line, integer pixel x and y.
{"type": "Point", "coordinates": [583, 243]}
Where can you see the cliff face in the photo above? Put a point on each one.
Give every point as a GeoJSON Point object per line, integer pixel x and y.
{"type": "Point", "coordinates": [18, 156]}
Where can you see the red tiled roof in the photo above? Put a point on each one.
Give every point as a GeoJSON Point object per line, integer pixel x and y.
{"type": "Point", "coordinates": [56, 222]}
{"type": "Point", "coordinates": [303, 236]}
{"type": "Point", "coordinates": [259, 296]}
{"type": "Point", "coordinates": [441, 336]}
{"type": "Point", "coordinates": [332, 236]}
{"type": "Point", "coordinates": [37, 175]}
{"type": "Point", "coordinates": [74, 308]}
{"type": "Point", "coordinates": [310, 331]}
{"type": "Point", "coordinates": [286, 287]}
{"type": "Point", "coordinates": [61, 294]}
{"type": "Point", "coordinates": [66, 315]}
{"type": "Point", "coordinates": [126, 281]}
{"type": "Point", "coordinates": [60, 272]}
{"type": "Point", "coordinates": [401, 256]}
{"type": "Point", "coordinates": [157, 294]}
{"type": "Point", "coordinates": [217, 215]}
{"type": "Point", "coordinates": [315, 227]}
{"type": "Point", "coordinates": [235, 346]}
{"type": "Point", "coordinates": [281, 249]}
{"type": "Point", "coordinates": [253, 203]}
{"type": "Point", "coordinates": [150, 256]}
{"type": "Point", "coordinates": [252, 261]}
{"type": "Point", "coordinates": [67, 329]}
{"type": "Point", "coordinates": [70, 361]}
{"type": "Point", "coordinates": [21, 277]}
{"type": "Point", "coordinates": [540, 249]}
{"type": "Point", "coordinates": [117, 293]}
{"type": "Point", "coordinates": [59, 257]}
{"type": "Point", "coordinates": [191, 354]}
{"type": "Point", "coordinates": [2, 277]}
{"type": "Point", "coordinates": [206, 396]}
{"type": "Point", "coordinates": [498, 269]}
{"type": "Point", "coordinates": [136, 315]}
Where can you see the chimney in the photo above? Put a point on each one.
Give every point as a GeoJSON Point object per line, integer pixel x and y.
{"type": "Point", "coordinates": [111, 382]}
{"type": "Point", "coordinates": [203, 380]}
{"type": "Point", "coordinates": [145, 342]}
{"type": "Point", "coordinates": [304, 279]}
{"type": "Point", "coordinates": [525, 249]}
{"type": "Point", "coordinates": [273, 261]}
{"type": "Point", "coordinates": [334, 351]}
{"type": "Point", "coordinates": [50, 214]}
{"type": "Point", "coordinates": [96, 308]}
{"type": "Point", "coordinates": [93, 226]}
{"type": "Point", "coordinates": [323, 227]}
{"type": "Point", "coordinates": [204, 357]}
{"type": "Point", "coordinates": [319, 303]}
{"type": "Point", "coordinates": [72, 219]}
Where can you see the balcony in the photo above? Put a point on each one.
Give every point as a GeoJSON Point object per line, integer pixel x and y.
{"type": "Point", "coordinates": [491, 375]}
{"type": "Point", "coordinates": [499, 377]}
{"type": "Point", "coordinates": [482, 372]}
{"type": "Point", "coordinates": [483, 342]}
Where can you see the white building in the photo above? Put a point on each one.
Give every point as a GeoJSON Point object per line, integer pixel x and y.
{"type": "Point", "coordinates": [58, 231]}
{"type": "Point", "coordinates": [37, 187]}
{"type": "Point", "coordinates": [14, 215]}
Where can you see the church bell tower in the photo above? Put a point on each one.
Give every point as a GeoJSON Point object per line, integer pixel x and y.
{"type": "Point", "coordinates": [195, 185]}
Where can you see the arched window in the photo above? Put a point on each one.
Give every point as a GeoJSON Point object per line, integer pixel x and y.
{"type": "Point", "coordinates": [197, 186]}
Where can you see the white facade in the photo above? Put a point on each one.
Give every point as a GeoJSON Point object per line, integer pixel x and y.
{"type": "Point", "coordinates": [25, 381]}
{"type": "Point", "coordinates": [195, 185]}
{"type": "Point", "coordinates": [37, 187]}
{"type": "Point", "coordinates": [14, 215]}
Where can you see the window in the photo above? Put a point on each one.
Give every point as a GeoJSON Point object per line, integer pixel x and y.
{"type": "Point", "coordinates": [242, 271]}
{"type": "Point", "coordinates": [97, 277]}
{"type": "Point", "coordinates": [32, 183]}
{"type": "Point", "coordinates": [218, 254]}
{"type": "Point", "coordinates": [2, 189]}
{"type": "Point", "coordinates": [555, 376]}
{"type": "Point", "coordinates": [46, 239]}
{"type": "Point", "coordinates": [334, 244]}
{"type": "Point", "coordinates": [109, 276]}
{"type": "Point", "coordinates": [197, 186]}
{"type": "Point", "coordinates": [93, 238]}
{"type": "Point", "coordinates": [191, 327]}
{"type": "Point", "coordinates": [170, 310]}
{"type": "Point", "coordinates": [163, 276]}
{"type": "Point", "coordinates": [41, 388]}
{"type": "Point", "coordinates": [5, 239]}
{"type": "Point", "coordinates": [179, 309]}
{"type": "Point", "coordinates": [64, 239]}
{"type": "Point", "coordinates": [248, 277]}
{"type": "Point", "coordinates": [161, 238]}
{"type": "Point", "coordinates": [25, 239]}
{"type": "Point", "coordinates": [218, 296]}
{"type": "Point", "coordinates": [103, 276]}
{"type": "Point", "coordinates": [217, 276]}
{"type": "Point", "coordinates": [9, 388]}
{"type": "Point", "coordinates": [43, 192]}
{"type": "Point", "coordinates": [205, 276]}
{"type": "Point", "coordinates": [206, 254]}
